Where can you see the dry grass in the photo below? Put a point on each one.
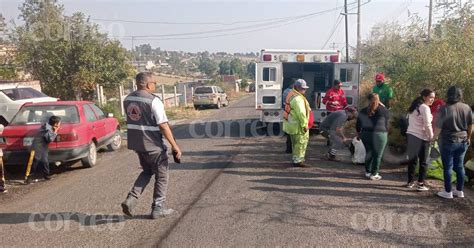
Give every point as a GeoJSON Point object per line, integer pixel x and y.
{"type": "Point", "coordinates": [170, 79]}
{"type": "Point", "coordinates": [180, 113]}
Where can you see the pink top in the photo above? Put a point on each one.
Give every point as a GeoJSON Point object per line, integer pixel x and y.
{"type": "Point", "coordinates": [419, 124]}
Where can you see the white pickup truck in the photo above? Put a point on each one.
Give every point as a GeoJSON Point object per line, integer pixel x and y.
{"type": "Point", "coordinates": [13, 97]}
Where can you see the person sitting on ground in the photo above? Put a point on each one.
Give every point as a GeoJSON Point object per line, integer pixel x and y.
{"type": "Point", "coordinates": [372, 128]}
{"type": "Point", "coordinates": [46, 134]}
{"type": "Point", "coordinates": [335, 99]}
{"type": "Point", "coordinates": [332, 128]}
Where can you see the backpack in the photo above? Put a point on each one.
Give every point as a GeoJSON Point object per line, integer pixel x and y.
{"type": "Point", "coordinates": [403, 124]}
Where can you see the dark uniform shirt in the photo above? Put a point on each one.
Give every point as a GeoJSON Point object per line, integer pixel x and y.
{"type": "Point", "coordinates": [41, 141]}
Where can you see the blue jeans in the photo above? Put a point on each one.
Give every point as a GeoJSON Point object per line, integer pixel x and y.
{"type": "Point", "coordinates": [452, 155]}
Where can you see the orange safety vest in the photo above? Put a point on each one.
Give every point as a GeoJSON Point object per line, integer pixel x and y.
{"type": "Point", "coordinates": [288, 99]}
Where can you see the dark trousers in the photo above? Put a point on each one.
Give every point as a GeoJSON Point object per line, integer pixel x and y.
{"type": "Point", "coordinates": [374, 143]}
{"type": "Point", "coordinates": [418, 151]}
{"type": "Point", "coordinates": [40, 165]}
{"type": "Point", "coordinates": [2, 175]}
{"type": "Point", "coordinates": [452, 155]}
{"type": "Point", "coordinates": [153, 164]}
{"type": "Point", "coordinates": [288, 143]}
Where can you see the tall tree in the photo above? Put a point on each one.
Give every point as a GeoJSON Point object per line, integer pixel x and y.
{"type": "Point", "coordinates": [68, 54]}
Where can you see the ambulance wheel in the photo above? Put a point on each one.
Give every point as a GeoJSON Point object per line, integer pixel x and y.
{"type": "Point", "coordinates": [116, 142]}
{"type": "Point", "coordinates": [91, 159]}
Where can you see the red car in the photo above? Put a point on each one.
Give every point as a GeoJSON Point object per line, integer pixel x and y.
{"type": "Point", "coordinates": [84, 129]}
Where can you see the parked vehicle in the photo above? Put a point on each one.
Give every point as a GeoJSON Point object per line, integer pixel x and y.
{"type": "Point", "coordinates": [12, 98]}
{"type": "Point", "coordinates": [278, 68]}
{"type": "Point", "coordinates": [84, 129]}
{"type": "Point", "coordinates": [210, 96]}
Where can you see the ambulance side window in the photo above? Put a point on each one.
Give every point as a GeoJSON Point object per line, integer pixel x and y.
{"type": "Point", "coordinates": [269, 74]}
{"type": "Point", "coordinates": [346, 75]}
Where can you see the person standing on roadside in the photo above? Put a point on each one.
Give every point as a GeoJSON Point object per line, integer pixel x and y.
{"type": "Point", "coordinates": [2, 172]}
{"type": "Point", "coordinates": [454, 128]}
{"type": "Point", "coordinates": [335, 98]}
{"type": "Point", "coordinates": [46, 134]}
{"type": "Point", "coordinates": [295, 121]}
{"type": "Point", "coordinates": [284, 96]}
{"type": "Point", "coordinates": [372, 128]}
{"type": "Point", "coordinates": [419, 136]}
{"type": "Point", "coordinates": [147, 127]}
{"type": "Point", "coordinates": [384, 90]}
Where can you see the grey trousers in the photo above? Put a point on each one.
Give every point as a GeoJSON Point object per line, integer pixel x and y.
{"type": "Point", "coordinates": [153, 164]}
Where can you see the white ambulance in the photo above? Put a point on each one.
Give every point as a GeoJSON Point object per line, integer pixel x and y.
{"type": "Point", "coordinates": [277, 69]}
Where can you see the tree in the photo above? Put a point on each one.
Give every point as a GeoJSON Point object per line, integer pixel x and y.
{"type": "Point", "coordinates": [207, 66]}
{"type": "Point", "coordinates": [236, 67]}
{"type": "Point", "coordinates": [68, 54]}
{"type": "Point", "coordinates": [224, 68]}
{"type": "Point", "coordinates": [251, 70]}
{"type": "Point", "coordinates": [7, 63]}
{"type": "Point", "coordinates": [412, 62]}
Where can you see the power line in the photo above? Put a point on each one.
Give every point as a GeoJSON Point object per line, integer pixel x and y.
{"type": "Point", "coordinates": [221, 35]}
{"type": "Point", "coordinates": [269, 24]}
{"type": "Point", "coordinates": [208, 23]}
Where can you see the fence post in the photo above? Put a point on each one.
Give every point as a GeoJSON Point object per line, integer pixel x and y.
{"type": "Point", "coordinates": [102, 96]}
{"type": "Point", "coordinates": [176, 104]}
{"type": "Point", "coordinates": [185, 96]}
{"type": "Point", "coordinates": [121, 98]}
{"type": "Point", "coordinates": [163, 94]}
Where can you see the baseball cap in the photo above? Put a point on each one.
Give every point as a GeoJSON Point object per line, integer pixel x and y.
{"type": "Point", "coordinates": [301, 83]}
{"type": "Point", "coordinates": [380, 76]}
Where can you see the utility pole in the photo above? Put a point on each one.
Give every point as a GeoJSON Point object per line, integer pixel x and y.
{"type": "Point", "coordinates": [358, 54]}
{"type": "Point", "coordinates": [429, 19]}
{"type": "Point", "coordinates": [347, 31]}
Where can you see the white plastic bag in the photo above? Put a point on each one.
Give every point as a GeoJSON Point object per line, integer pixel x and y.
{"type": "Point", "coordinates": [359, 151]}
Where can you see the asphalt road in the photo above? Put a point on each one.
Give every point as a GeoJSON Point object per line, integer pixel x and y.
{"type": "Point", "coordinates": [234, 189]}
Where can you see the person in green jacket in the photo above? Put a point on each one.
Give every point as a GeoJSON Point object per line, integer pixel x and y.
{"type": "Point", "coordinates": [384, 90]}
{"type": "Point", "coordinates": [295, 121]}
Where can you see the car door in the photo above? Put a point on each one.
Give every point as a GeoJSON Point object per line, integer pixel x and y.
{"type": "Point", "coordinates": [100, 124]}
{"type": "Point", "coordinates": [91, 120]}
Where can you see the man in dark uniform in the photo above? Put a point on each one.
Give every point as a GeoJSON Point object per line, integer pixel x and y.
{"type": "Point", "coordinates": [147, 126]}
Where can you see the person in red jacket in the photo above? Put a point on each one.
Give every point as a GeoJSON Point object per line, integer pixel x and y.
{"type": "Point", "coordinates": [335, 99]}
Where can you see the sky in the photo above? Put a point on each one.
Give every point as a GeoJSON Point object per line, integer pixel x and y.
{"type": "Point", "coordinates": [234, 26]}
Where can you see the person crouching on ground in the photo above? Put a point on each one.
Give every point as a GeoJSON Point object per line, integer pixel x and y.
{"type": "Point", "coordinates": [372, 128]}
{"type": "Point", "coordinates": [295, 121]}
{"type": "Point", "coordinates": [332, 128]}
{"type": "Point", "coordinates": [46, 134]}
{"type": "Point", "coordinates": [419, 137]}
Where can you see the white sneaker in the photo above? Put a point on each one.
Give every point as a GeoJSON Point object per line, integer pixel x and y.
{"type": "Point", "coordinates": [422, 187]}
{"type": "Point", "coordinates": [367, 175]}
{"type": "Point", "coordinates": [446, 195]}
{"type": "Point", "coordinates": [458, 194]}
{"type": "Point", "coordinates": [376, 177]}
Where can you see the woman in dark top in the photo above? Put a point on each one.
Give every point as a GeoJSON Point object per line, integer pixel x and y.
{"type": "Point", "coordinates": [454, 128]}
{"type": "Point", "coordinates": [372, 127]}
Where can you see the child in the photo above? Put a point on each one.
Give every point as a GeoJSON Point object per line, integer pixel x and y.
{"type": "Point", "coordinates": [45, 135]}
{"type": "Point", "coordinates": [2, 174]}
